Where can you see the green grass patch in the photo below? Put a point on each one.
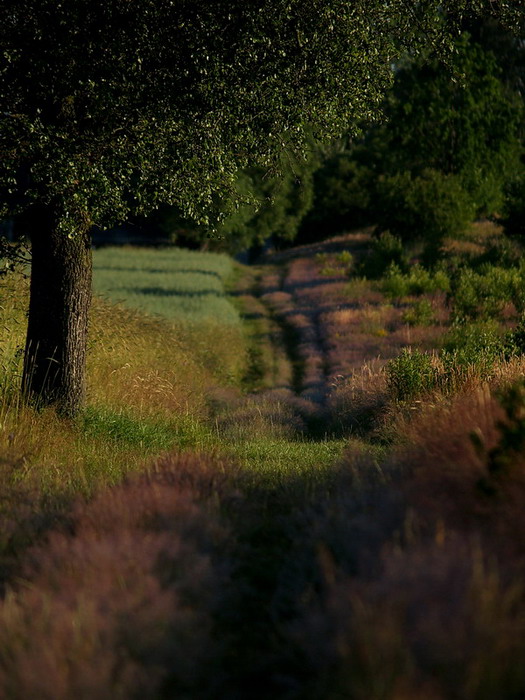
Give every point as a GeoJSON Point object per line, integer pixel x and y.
{"type": "Point", "coordinates": [153, 435]}
{"type": "Point", "coordinates": [281, 459]}
{"type": "Point", "coordinates": [122, 429]}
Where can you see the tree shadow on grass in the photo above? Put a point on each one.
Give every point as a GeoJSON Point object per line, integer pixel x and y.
{"type": "Point", "coordinates": [161, 292]}
{"type": "Point", "coordinates": [152, 270]}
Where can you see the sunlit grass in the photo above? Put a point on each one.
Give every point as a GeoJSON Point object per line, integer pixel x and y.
{"type": "Point", "coordinates": [274, 460]}
{"type": "Point", "coordinates": [186, 288]}
{"type": "Point", "coordinates": [147, 393]}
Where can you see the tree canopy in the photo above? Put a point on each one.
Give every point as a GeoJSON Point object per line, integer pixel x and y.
{"type": "Point", "coordinates": [447, 151]}
{"type": "Point", "coordinates": [116, 107]}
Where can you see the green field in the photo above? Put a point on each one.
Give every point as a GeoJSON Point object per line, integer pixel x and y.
{"type": "Point", "coordinates": [177, 284]}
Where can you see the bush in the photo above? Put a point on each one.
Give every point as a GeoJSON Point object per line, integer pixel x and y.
{"type": "Point", "coordinates": [470, 348]}
{"type": "Point", "coordinates": [500, 251]}
{"type": "Point", "coordinates": [429, 207]}
{"type": "Point", "coordinates": [386, 251]}
{"type": "Point", "coordinates": [410, 374]}
{"type": "Point", "coordinates": [416, 282]}
{"type": "Point", "coordinates": [419, 314]}
{"type": "Point", "coordinates": [340, 264]}
{"type": "Point", "coordinates": [485, 293]}
{"type": "Point", "coordinates": [515, 339]}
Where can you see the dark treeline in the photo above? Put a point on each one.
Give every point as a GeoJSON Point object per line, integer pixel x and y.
{"type": "Point", "coordinates": [449, 148]}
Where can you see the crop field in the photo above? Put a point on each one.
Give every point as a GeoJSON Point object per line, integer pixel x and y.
{"type": "Point", "coordinates": [174, 283]}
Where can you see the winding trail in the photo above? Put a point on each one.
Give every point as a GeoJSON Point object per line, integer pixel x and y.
{"type": "Point", "coordinates": [327, 334]}
{"type": "Point", "coordinates": [302, 295]}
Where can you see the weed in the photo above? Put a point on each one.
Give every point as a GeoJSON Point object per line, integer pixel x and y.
{"type": "Point", "coordinates": [420, 313]}
{"type": "Point", "coordinates": [410, 374]}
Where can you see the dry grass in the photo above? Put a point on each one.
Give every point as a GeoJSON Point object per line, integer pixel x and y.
{"type": "Point", "coordinates": [143, 363]}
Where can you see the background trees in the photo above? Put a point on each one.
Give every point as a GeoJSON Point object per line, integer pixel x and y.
{"type": "Point", "coordinates": [263, 206]}
{"type": "Point", "coordinates": [450, 149]}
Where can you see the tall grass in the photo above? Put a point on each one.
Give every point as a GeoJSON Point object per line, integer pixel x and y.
{"type": "Point", "coordinates": [186, 288]}
{"type": "Point", "coordinates": [147, 393]}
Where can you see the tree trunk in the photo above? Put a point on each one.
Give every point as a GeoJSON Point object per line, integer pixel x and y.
{"type": "Point", "coordinates": [60, 297]}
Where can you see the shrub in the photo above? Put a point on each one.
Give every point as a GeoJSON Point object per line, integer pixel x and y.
{"type": "Point", "coordinates": [340, 264]}
{"type": "Point", "coordinates": [419, 314]}
{"type": "Point", "coordinates": [470, 349]}
{"type": "Point", "coordinates": [515, 339]}
{"type": "Point", "coordinates": [411, 373]}
{"type": "Point", "coordinates": [472, 338]}
{"type": "Point", "coordinates": [430, 206]}
{"type": "Point", "coordinates": [485, 293]}
{"type": "Point", "coordinates": [394, 283]}
{"type": "Point", "coordinates": [417, 281]}
{"type": "Point", "coordinates": [386, 250]}
{"type": "Point", "coordinates": [500, 251]}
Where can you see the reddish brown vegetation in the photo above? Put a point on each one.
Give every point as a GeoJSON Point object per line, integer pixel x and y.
{"type": "Point", "coordinates": [340, 328]}
{"type": "Point", "coordinates": [122, 605]}
{"type": "Point", "coordinates": [421, 565]}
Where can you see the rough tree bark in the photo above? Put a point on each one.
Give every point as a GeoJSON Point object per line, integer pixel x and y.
{"type": "Point", "coordinates": [60, 297]}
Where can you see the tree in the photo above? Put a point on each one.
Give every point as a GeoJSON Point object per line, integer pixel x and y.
{"type": "Point", "coordinates": [449, 148]}
{"type": "Point", "coordinates": [469, 127]}
{"type": "Point", "coordinates": [262, 207]}
{"type": "Point", "coordinates": [111, 108]}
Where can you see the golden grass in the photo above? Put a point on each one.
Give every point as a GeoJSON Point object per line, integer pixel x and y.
{"type": "Point", "coordinates": [139, 367]}
{"type": "Point", "coordinates": [140, 362]}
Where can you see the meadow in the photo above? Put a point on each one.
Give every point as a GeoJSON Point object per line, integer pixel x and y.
{"type": "Point", "coordinates": [302, 479]}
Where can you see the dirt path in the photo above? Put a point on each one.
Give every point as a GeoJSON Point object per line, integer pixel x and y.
{"type": "Point", "coordinates": [306, 291]}
{"type": "Point", "coordinates": [328, 333]}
